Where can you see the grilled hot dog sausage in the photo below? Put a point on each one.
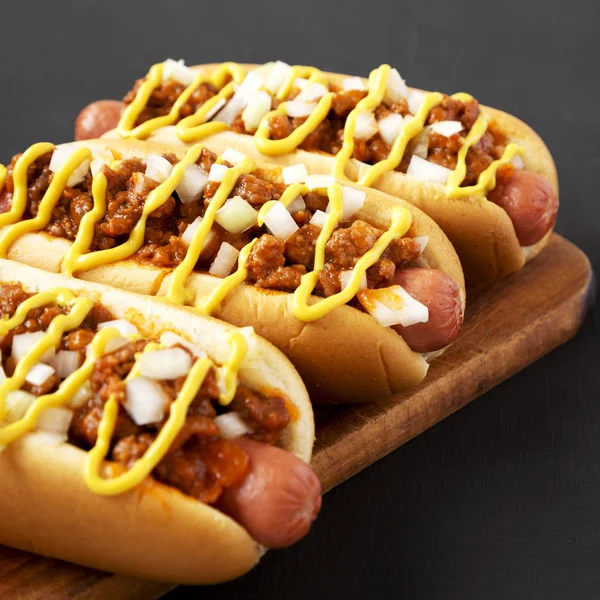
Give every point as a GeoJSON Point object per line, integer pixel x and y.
{"type": "Point", "coordinates": [441, 295]}
{"type": "Point", "coordinates": [98, 118]}
{"type": "Point", "coordinates": [277, 500]}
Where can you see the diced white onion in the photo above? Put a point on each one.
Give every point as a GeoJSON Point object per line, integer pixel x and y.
{"type": "Point", "coordinates": [231, 425]}
{"type": "Point", "coordinates": [346, 276]}
{"type": "Point", "coordinates": [319, 182]}
{"type": "Point", "coordinates": [312, 92]}
{"type": "Point", "coordinates": [190, 230]}
{"type": "Point", "coordinates": [233, 108]}
{"type": "Point", "coordinates": [82, 395]}
{"type": "Point", "coordinates": [280, 222]}
{"type": "Point", "coordinates": [393, 306]}
{"type": "Point", "coordinates": [22, 342]}
{"type": "Point", "coordinates": [300, 82]}
{"type": "Point", "coordinates": [279, 73]}
{"type": "Point", "coordinates": [165, 363]}
{"type": "Point", "coordinates": [422, 240]}
{"type": "Point", "coordinates": [55, 420]}
{"type": "Point", "coordinates": [396, 89]}
{"type": "Point", "coordinates": [252, 83]}
{"type": "Point", "coordinates": [217, 172]}
{"type": "Point", "coordinates": [219, 104]}
{"type": "Point", "coordinates": [233, 157]}
{"type": "Point", "coordinates": [296, 205]}
{"type": "Point", "coordinates": [319, 217]}
{"type": "Point", "coordinates": [226, 257]}
{"type": "Point", "coordinates": [192, 184]}
{"type": "Point", "coordinates": [294, 174]}
{"type": "Point", "coordinates": [39, 373]}
{"type": "Point", "coordinates": [421, 143]}
{"type": "Point", "coordinates": [365, 126]}
{"type": "Point", "coordinates": [59, 158]}
{"type": "Point", "coordinates": [427, 171]}
{"type": "Point", "coordinates": [176, 69]}
{"type": "Point", "coordinates": [390, 128]}
{"type": "Point", "coordinates": [298, 108]}
{"type": "Point", "coordinates": [113, 344]}
{"type": "Point", "coordinates": [352, 200]}
{"type": "Point", "coordinates": [517, 161]}
{"type": "Point", "coordinates": [415, 99]}
{"type": "Point", "coordinates": [236, 215]}
{"type": "Point", "coordinates": [446, 128]}
{"type": "Point", "coordinates": [258, 105]}
{"type": "Point", "coordinates": [158, 168]}
{"type": "Point", "coordinates": [168, 338]}
{"type": "Point", "coordinates": [101, 158]}
{"type": "Point", "coordinates": [125, 328]}
{"type": "Point", "coordinates": [353, 83]}
{"type": "Point", "coordinates": [16, 404]}
{"type": "Point", "coordinates": [145, 400]}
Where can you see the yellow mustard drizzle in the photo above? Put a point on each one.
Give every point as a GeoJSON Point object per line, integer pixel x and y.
{"type": "Point", "coordinates": [126, 127]}
{"type": "Point", "coordinates": [47, 204]}
{"type": "Point", "coordinates": [79, 308]}
{"type": "Point", "coordinates": [176, 292]}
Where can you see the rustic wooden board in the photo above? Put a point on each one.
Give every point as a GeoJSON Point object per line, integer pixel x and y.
{"type": "Point", "coordinates": [508, 326]}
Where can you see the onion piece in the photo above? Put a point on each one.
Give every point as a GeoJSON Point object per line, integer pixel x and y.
{"type": "Point", "coordinates": [232, 156]}
{"type": "Point", "coordinates": [233, 108]}
{"type": "Point", "coordinates": [393, 306]}
{"type": "Point", "coordinates": [294, 174]}
{"type": "Point", "coordinates": [101, 158]}
{"type": "Point", "coordinates": [421, 143]}
{"type": "Point", "coordinates": [55, 420]}
{"type": "Point", "coordinates": [145, 400]}
{"type": "Point", "coordinates": [39, 373]}
{"type": "Point", "coordinates": [258, 105]}
{"type": "Point", "coordinates": [16, 404]}
{"type": "Point", "coordinates": [231, 425]}
{"type": "Point", "coordinates": [390, 128]}
{"type": "Point", "coordinates": [22, 342]}
{"type": "Point", "coordinates": [353, 83]}
{"type": "Point", "coordinates": [318, 219]}
{"type": "Point", "coordinates": [125, 328]}
{"type": "Point", "coordinates": [251, 83]}
{"type": "Point", "coordinates": [192, 184]}
{"type": "Point", "coordinates": [300, 83]}
{"type": "Point", "coordinates": [422, 240]}
{"type": "Point", "coordinates": [446, 128]}
{"type": "Point", "coordinates": [224, 261]}
{"type": "Point", "coordinates": [176, 69]}
{"type": "Point", "coordinates": [219, 104]}
{"type": "Point", "coordinates": [168, 338]}
{"type": "Point", "coordinates": [190, 231]}
{"type": "Point", "coordinates": [59, 158]}
{"type": "Point", "coordinates": [298, 108]}
{"type": "Point", "coordinates": [165, 363]}
{"type": "Point", "coordinates": [396, 89]}
{"type": "Point", "coordinates": [236, 215]}
{"type": "Point", "coordinates": [82, 395]}
{"type": "Point", "coordinates": [158, 168]}
{"type": "Point", "coordinates": [415, 99]}
{"type": "Point", "coordinates": [366, 126]}
{"type": "Point", "coordinates": [280, 222]}
{"type": "Point", "coordinates": [279, 73]}
{"type": "Point", "coordinates": [217, 172]}
{"type": "Point", "coordinates": [353, 200]}
{"type": "Point", "coordinates": [296, 205]}
{"type": "Point", "coordinates": [346, 276]}
{"type": "Point", "coordinates": [427, 171]}
{"type": "Point", "coordinates": [517, 162]}
{"type": "Point", "coordinates": [312, 92]}
{"type": "Point", "coordinates": [113, 344]}
{"type": "Point", "coordinates": [319, 182]}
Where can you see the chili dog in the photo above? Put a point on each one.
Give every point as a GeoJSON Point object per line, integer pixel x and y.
{"type": "Point", "coordinates": [484, 176]}
{"type": "Point", "coordinates": [310, 263]}
{"type": "Point", "coordinates": [207, 430]}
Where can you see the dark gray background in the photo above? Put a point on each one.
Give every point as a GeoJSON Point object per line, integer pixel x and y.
{"type": "Point", "coordinates": [502, 499]}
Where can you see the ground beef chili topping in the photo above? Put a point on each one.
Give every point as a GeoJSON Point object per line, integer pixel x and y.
{"type": "Point", "coordinates": [199, 463]}
{"type": "Point", "coordinates": [272, 264]}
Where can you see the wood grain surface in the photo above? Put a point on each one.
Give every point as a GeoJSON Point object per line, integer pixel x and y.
{"type": "Point", "coordinates": [508, 326]}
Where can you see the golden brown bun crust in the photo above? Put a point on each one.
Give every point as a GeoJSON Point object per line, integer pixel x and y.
{"type": "Point", "coordinates": [481, 231]}
{"type": "Point", "coordinates": [152, 531]}
{"type": "Point", "coordinates": [347, 356]}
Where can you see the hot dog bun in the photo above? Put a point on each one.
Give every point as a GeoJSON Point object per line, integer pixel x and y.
{"type": "Point", "coordinates": [153, 531]}
{"type": "Point", "coordinates": [481, 231]}
{"type": "Point", "coordinates": [346, 356]}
